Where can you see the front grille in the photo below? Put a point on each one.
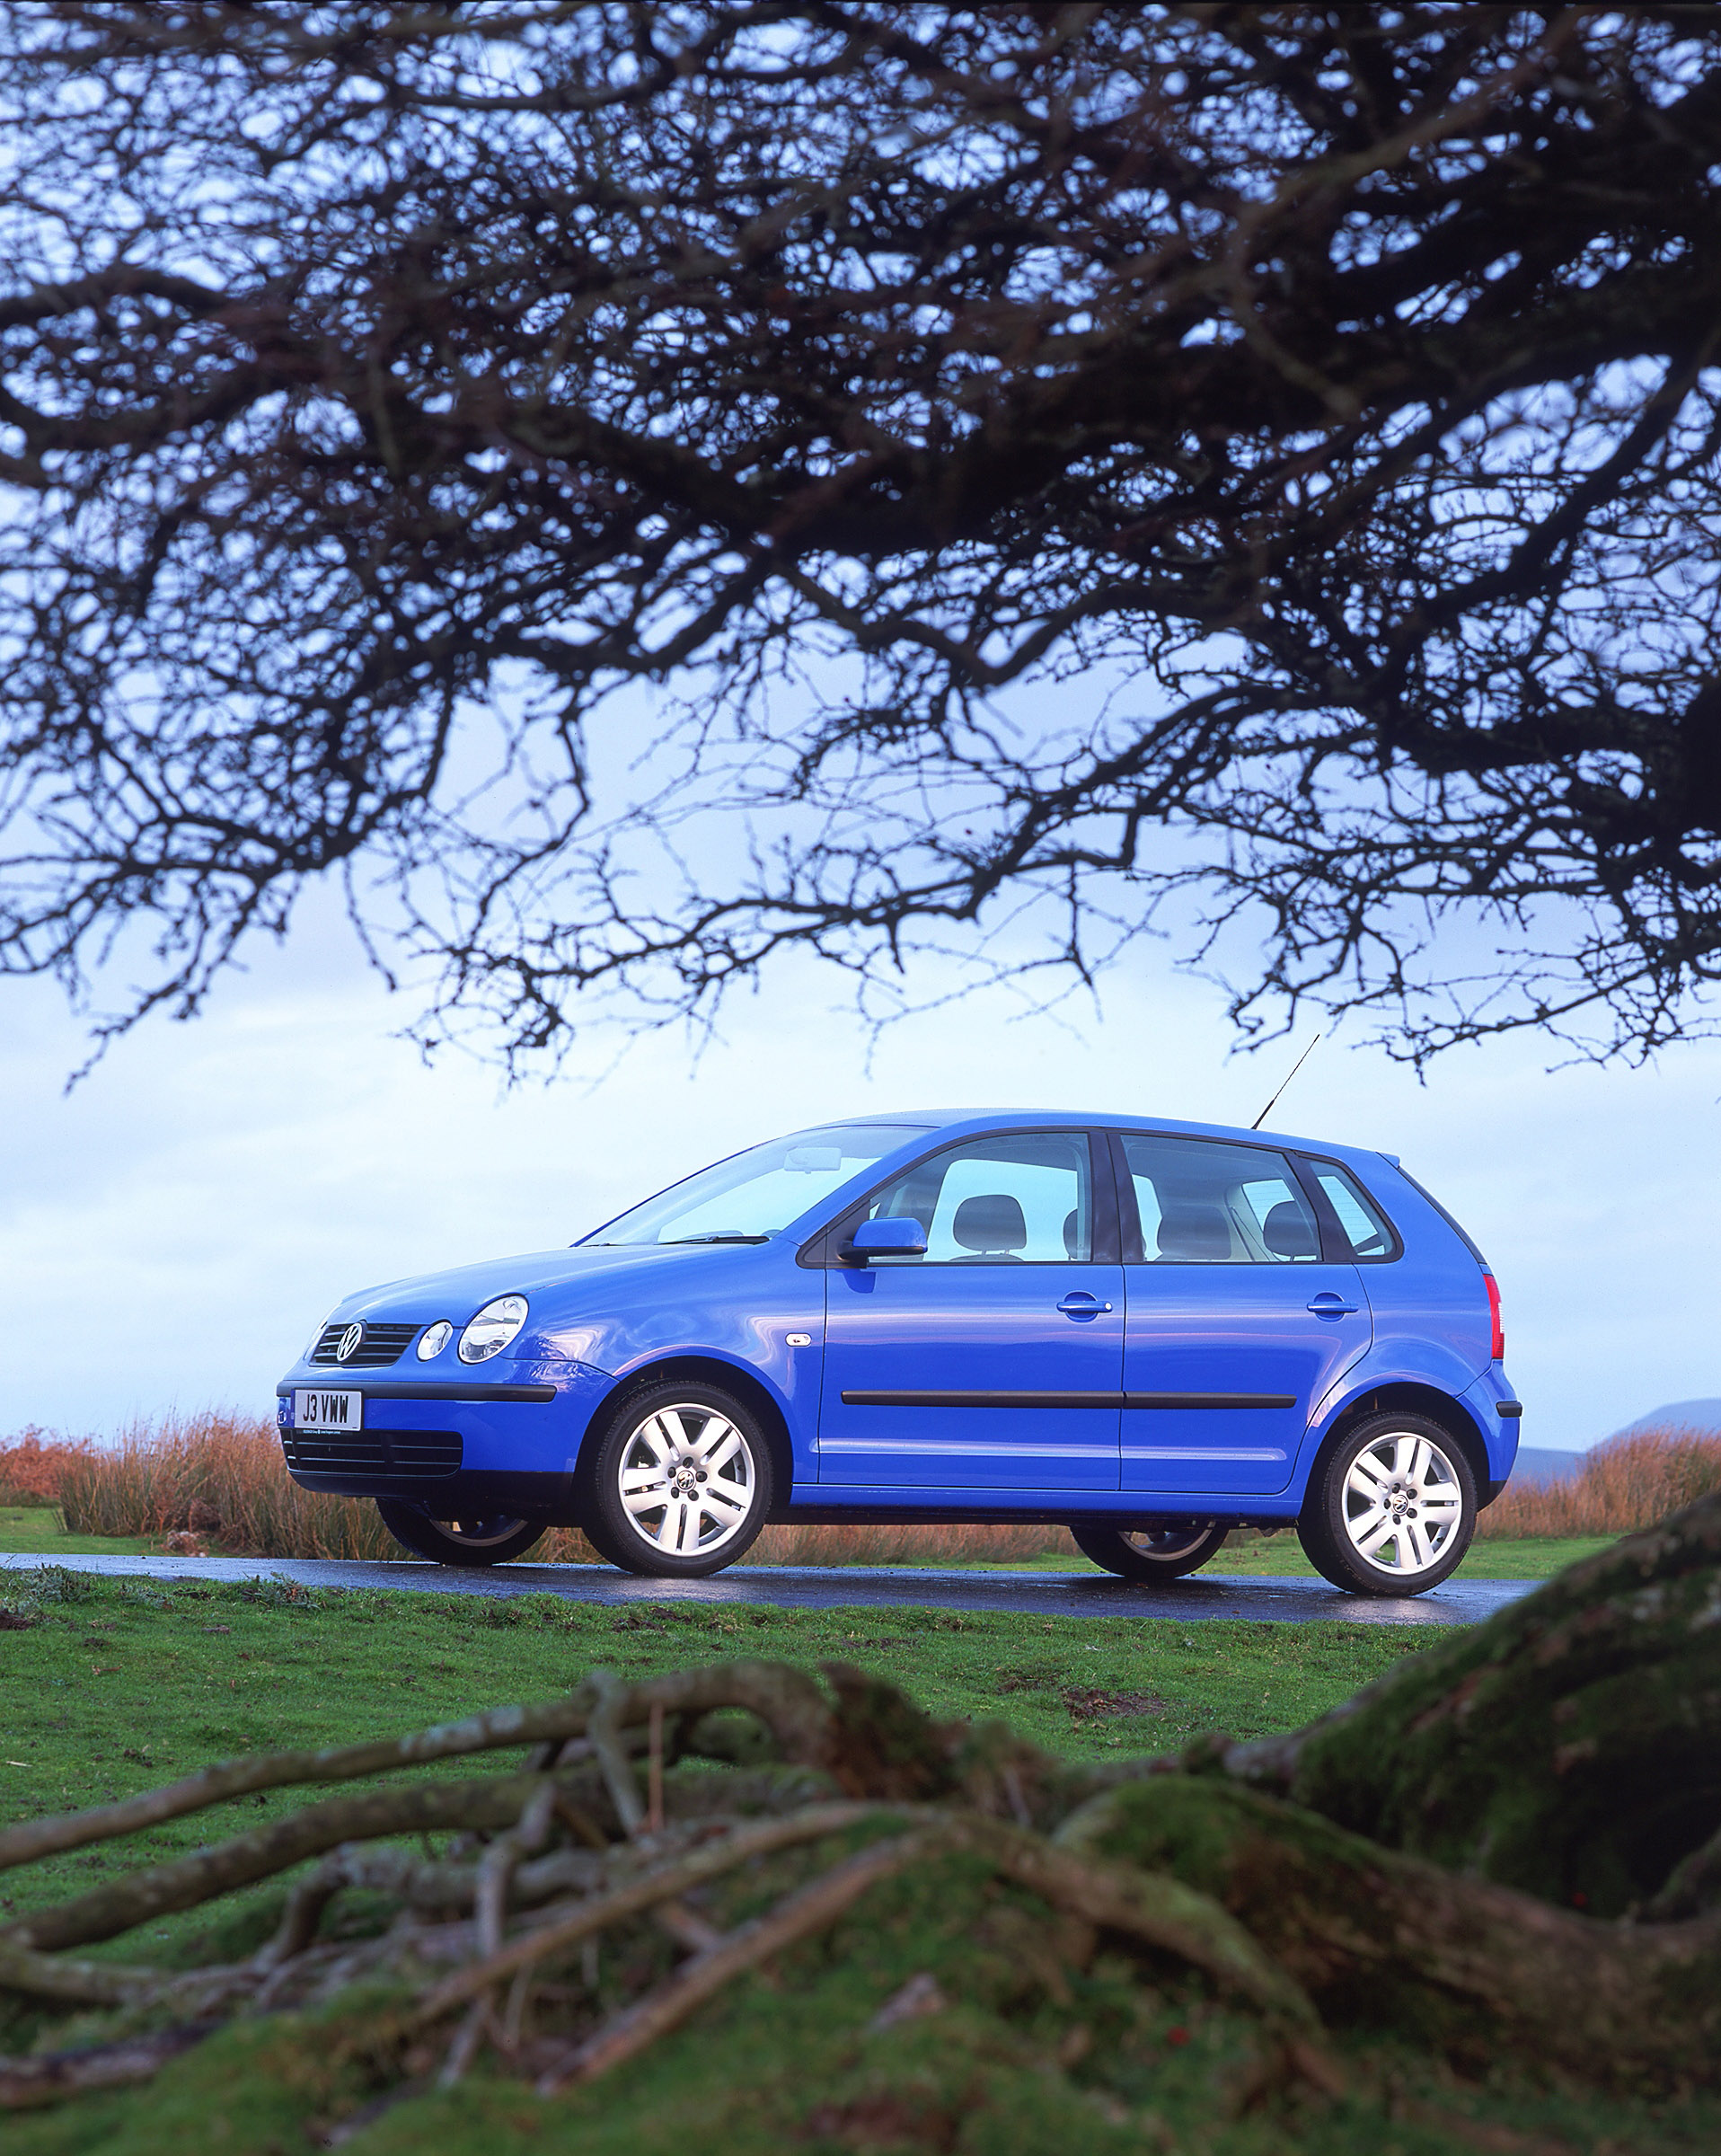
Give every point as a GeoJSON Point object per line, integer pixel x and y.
{"type": "Point", "coordinates": [381, 1346]}
{"type": "Point", "coordinates": [372, 1451]}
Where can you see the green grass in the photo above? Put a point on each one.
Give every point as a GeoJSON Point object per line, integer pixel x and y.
{"type": "Point", "coordinates": [127, 1685]}
{"type": "Point", "coordinates": [119, 1685]}
{"type": "Point", "coordinates": [38, 1530]}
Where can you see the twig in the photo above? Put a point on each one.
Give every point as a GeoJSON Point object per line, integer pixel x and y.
{"type": "Point", "coordinates": [502, 1728]}
{"type": "Point", "coordinates": [468, 2037]}
{"type": "Point", "coordinates": [654, 1771]}
{"type": "Point", "coordinates": [500, 1861]}
{"type": "Point", "coordinates": [811, 1824]}
{"type": "Point", "coordinates": [25, 2083]}
{"type": "Point", "coordinates": [74, 1983]}
{"type": "Point", "coordinates": [809, 1910]}
{"type": "Point", "coordinates": [602, 1728]}
{"type": "Point", "coordinates": [787, 1701]}
{"type": "Point", "coordinates": [493, 1802]}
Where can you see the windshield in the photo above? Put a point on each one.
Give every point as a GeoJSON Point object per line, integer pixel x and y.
{"type": "Point", "coordinates": [760, 1191]}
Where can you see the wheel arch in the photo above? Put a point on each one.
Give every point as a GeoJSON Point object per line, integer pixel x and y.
{"type": "Point", "coordinates": [1412, 1399]}
{"type": "Point", "coordinates": [745, 1384]}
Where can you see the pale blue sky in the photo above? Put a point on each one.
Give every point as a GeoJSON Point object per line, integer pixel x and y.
{"type": "Point", "coordinates": [171, 1233]}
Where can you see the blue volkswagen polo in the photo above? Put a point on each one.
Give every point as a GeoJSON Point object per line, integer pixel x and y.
{"type": "Point", "coordinates": [1148, 1332]}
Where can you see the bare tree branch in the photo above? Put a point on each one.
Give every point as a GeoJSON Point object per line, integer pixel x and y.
{"type": "Point", "coordinates": [1069, 467]}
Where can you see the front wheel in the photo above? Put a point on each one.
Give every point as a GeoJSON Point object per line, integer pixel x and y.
{"type": "Point", "coordinates": [1392, 1509]}
{"type": "Point", "coordinates": [1166, 1552]}
{"type": "Point", "coordinates": [472, 1540]}
{"type": "Point", "coordinates": [680, 1482]}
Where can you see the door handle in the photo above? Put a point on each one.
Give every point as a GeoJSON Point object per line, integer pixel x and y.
{"type": "Point", "coordinates": [1328, 1305]}
{"type": "Point", "coordinates": [1081, 1305]}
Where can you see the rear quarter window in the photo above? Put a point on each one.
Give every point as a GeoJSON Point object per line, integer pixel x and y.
{"type": "Point", "coordinates": [1366, 1234]}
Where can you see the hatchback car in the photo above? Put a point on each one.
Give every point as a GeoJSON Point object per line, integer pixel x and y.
{"type": "Point", "coordinates": [1148, 1332]}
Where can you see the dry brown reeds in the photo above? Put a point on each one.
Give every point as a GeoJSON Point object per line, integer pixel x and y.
{"type": "Point", "coordinates": [221, 1476]}
{"type": "Point", "coordinates": [217, 1475]}
{"type": "Point", "coordinates": [1621, 1486]}
{"type": "Point", "coordinates": [33, 1464]}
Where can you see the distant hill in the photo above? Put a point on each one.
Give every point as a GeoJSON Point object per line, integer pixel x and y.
{"type": "Point", "coordinates": [1679, 1414]}
{"type": "Point", "coordinates": [1537, 1464]}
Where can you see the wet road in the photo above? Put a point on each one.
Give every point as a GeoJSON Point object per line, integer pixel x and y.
{"type": "Point", "coordinates": [1285, 1601]}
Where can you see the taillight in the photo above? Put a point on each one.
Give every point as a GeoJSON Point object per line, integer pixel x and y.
{"type": "Point", "coordinates": [1497, 1348]}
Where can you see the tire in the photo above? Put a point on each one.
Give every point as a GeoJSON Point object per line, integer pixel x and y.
{"type": "Point", "coordinates": [466, 1542]}
{"type": "Point", "coordinates": [1392, 1508]}
{"type": "Point", "coordinates": [680, 1482]}
{"type": "Point", "coordinates": [1168, 1552]}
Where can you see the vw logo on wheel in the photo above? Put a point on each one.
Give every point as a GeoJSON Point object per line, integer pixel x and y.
{"type": "Point", "coordinates": [350, 1340]}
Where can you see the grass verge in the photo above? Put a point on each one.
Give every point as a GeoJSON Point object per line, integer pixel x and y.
{"type": "Point", "coordinates": [41, 1531]}
{"type": "Point", "coordinates": [1002, 2032]}
{"type": "Point", "coordinates": [120, 1684]}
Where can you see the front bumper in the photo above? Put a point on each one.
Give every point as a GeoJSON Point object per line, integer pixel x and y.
{"type": "Point", "coordinates": [507, 1444]}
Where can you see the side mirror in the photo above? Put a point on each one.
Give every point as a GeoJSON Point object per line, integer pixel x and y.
{"type": "Point", "coordinates": [884, 1239]}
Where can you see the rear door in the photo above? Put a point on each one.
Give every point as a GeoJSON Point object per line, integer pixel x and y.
{"type": "Point", "coordinates": [1237, 1322]}
{"type": "Point", "coordinates": [995, 1362]}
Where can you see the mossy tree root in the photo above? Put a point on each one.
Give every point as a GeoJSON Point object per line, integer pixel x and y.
{"type": "Point", "coordinates": [1382, 1939]}
{"type": "Point", "coordinates": [1570, 1746]}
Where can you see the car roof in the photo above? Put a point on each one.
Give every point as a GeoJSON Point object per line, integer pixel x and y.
{"type": "Point", "coordinates": [957, 1122]}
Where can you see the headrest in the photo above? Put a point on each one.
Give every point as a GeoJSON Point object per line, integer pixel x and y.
{"type": "Point", "coordinates": [1072, 1234]}
{"type": "Point", "coordinates": [1289, 1232]}
{"type": "Point", "coordinates": [992, 1223]}
{"type": "Point", "coordinates": [1193, 1232]}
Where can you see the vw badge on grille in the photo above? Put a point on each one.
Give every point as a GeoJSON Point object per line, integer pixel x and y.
{"type": "Point", "coordinates": [350, 1340]}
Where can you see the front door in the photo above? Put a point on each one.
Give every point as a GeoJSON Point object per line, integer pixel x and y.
{"type": "Point", "coordinates": [995, 1362]}
{"type": "Point", "coordinates": [1238, 1324]}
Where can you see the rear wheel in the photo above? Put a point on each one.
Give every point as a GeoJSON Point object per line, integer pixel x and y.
{"type": "Point", "coordinates": [1392, 1509]}
{"type": "Point", "coordinates": [680, 1483]}
{"type": "Point", "coordinates": [1165, 1551]}
{"type": "Point", "coordinates": [475, 1539]}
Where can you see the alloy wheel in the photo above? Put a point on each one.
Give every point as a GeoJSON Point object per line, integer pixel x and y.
{"type": "Point", "coordinates": [1402, 1504]}
{"type": "Point", "coordinates": [686, 1477]}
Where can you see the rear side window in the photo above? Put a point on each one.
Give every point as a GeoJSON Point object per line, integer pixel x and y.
{"type": "Point", "coordinates": [1202, 1203]}
{"type": "Point", "coordinates": [1364, 1230]}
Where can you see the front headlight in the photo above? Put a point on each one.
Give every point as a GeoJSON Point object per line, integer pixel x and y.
{"type": "Point", "coordinates": [493, 1329]}
{"type": "Point", "coordinates": [434, 1339]}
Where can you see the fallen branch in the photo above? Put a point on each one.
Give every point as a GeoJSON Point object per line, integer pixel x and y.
{"type": "Point", "coordinates": [489, 1802]}
{"type": "Point", "coordinates": [49, 1977]}
{"type": "Point", "coordinates": [786, 1702]}
{"type": "Point", "coordinates": [812, 1909]}
{"type": "Point", "coordinates": [662, 1883]}
{"type": "Point", "coordinates": [51, 2078]}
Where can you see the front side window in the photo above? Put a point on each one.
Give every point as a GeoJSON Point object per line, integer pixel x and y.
{"type": "Point", "coordinates": [1202, 1203]}
{"type": "Point", "coordinates": [1019, 1198]}
{"type": "Point", "coordinates": [757, 1193]}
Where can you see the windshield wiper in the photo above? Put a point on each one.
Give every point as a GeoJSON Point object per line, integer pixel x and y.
{"type": "Point", "coordinates": [716, 1239]}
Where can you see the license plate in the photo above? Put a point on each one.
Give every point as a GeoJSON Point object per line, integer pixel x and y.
{"type": "Point", "coordinates": [322, 1410]}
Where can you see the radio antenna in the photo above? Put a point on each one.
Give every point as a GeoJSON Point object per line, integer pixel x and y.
{"type": "Point", "coordinates": [1295, 1067]}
